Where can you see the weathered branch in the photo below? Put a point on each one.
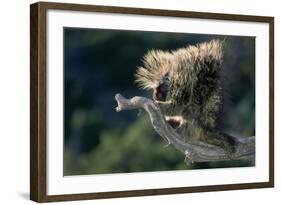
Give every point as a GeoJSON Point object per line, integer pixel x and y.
{"type": "Point", "coordinates": [195, 152]}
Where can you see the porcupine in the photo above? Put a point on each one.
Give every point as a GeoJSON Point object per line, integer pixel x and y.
{"type": "Point", "coordinates": [186, 84]}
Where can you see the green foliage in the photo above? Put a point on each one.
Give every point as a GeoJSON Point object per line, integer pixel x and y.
{"type": "Point", "coordinates": [131, 150]}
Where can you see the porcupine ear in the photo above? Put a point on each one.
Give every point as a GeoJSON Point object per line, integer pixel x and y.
{"type": "Point", "coordinates": [156, 64]}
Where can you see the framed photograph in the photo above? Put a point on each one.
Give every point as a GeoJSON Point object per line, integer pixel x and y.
{"type": "Point", "coordinates": [135, 102]}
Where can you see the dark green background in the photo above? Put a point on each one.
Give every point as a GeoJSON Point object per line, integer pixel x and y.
{"type": "Point", "coordinates": [100, 63]}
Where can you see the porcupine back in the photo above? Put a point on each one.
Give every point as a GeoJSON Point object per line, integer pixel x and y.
{"type": "Point", "coordinates": [197, 85]}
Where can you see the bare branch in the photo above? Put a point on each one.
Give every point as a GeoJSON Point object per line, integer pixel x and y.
{"type": "Point", "coordinates": [199, 152]}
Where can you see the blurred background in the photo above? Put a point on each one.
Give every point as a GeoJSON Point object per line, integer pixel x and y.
{"type": "Point", "coordinates": [100, 63]}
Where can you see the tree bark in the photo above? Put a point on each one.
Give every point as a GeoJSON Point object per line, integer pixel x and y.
{"type": "Point", "coordinates": [194, 152]}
